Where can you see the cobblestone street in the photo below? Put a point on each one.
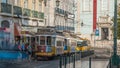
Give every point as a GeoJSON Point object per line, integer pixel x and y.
{"type": "Point", "coordinates": [84, 63]}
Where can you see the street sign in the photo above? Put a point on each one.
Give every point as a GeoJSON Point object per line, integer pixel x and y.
{"type": "Point", "coordinates": [97, 32]}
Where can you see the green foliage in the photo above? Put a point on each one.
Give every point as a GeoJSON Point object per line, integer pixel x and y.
{"type": "Point", "coordinates": [118, 26]}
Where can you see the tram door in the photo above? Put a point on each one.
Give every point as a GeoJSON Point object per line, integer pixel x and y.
{"type": "Point", "coordinates": [28, 40]}
{"type": "Point", "coordinates": [48, 44]}
{"type": "Point", "coordinates": [73, 45]}
{"type": "Point", "coordinates": [65, 44]}
{"type": "Point", "coordinates": [59, 45]}
{"type": "Point", "coordinates": [40, 42]}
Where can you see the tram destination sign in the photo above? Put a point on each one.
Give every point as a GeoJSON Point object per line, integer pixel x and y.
{"type": "Point", "coordinates": [43, 31]}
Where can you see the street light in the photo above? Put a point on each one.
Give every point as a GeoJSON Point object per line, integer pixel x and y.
{"type": "Point", "coordinates": [57, 3]}
{"type": "Point", "coordinates": [66, 17]}
{"type": "Point", "coordinates": [115, 57]}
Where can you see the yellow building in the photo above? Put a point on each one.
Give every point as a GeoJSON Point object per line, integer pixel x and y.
{"type": "Point", "coordinates": [20, 15]}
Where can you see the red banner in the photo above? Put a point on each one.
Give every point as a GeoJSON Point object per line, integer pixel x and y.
{"type": "Point", "coordinates": [94, 14]}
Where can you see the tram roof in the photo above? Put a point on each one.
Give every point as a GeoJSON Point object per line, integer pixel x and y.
{"type": "Point", "coordinates": [28, 35]}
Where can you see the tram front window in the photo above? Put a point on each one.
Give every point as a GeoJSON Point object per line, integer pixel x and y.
{"type": "Point", "coordinates": [84, 43]}
{"type": "Point", "coordinates": [53, 41]}
{"type": "Point", "coordinates": [59, 43]}
{"type": "Point", "coordinates": [79, 43]}
{"type": "Point", "coordinates": [65, 42]}
{"type": "Point", "coordinates": [42, 40]}
{"type": "Point", "coordinates": [37, 39]}
{"type": "Point", "coordinates": [48, 41]}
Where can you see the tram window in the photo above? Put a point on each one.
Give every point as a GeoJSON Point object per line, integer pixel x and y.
{"type": "Point", "coordinates": [48, 40]}
{"type": "Point", "coordinates": [73, 43]}
{"type": "Point", "coordinates": [59, 43]}
{"type": "Point", "coordinates": [32, 39]}
{"type": "Point", "coordinates": [65, 42]}
{"type": "Point", "coordinates": [42, 40]}
{"type": "Point", "coordinates": [79, 43]}
{"type": "Point", "coordinates": [53, 41]}
{"type": "Point", "coordinates": [28, 39]}
{"type": "Point", "coordinates": [37, 39]}
{"type": "Point", "coordinates": [84, 43]}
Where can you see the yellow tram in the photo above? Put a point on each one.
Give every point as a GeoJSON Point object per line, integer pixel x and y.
{"type": "Point", "coordinates": [50, 43]}
{"type": "Point", "coordinates": [83, 45]}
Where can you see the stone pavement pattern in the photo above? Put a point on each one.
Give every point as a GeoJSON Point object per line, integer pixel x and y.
{"type": "Point", "coordinates": [53, 64]}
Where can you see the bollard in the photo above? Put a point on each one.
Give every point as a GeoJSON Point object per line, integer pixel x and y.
{"type": "Point", "coordinates": [65, 61]}
{"type": "Point", "coordinates": [110, 63]}
{"type": "Point", "coordinates": [79, 55]}
{"type": "Point", "coordinates": [60, 62]}
{"type": "Point", "coordinates": [73, 60]}
{"type": "Point", "coordinates": [90, 62]}
{"type": "Point", "coordinates": [69, 59]}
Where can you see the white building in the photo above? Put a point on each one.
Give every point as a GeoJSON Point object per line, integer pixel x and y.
{"type": "Point", "coordinates": [104, 8]}
{"type": "Point", "coordinates": [60, 16]}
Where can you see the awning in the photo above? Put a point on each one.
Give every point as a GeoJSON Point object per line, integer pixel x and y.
{"type": "Point", "coordinates": [16, 30]}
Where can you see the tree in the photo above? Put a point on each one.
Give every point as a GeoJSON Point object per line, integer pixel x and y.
{"type": "Point", "coordinates": [118, 26]}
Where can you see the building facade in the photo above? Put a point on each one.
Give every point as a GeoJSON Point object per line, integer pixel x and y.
{"type": "Point", "coordinates": [17, 16]}
{"type": "Point", "coordinates": [60, 17]}
{"type": "Point", "coordinates": [103, 37]}
{"type": "Point", "coordinates": [77, 17]}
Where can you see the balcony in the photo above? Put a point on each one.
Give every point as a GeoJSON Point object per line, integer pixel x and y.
{"type": "Point", "coordinates": [34, 14]}
{"type": "Point", "coordinates": [6, 8]}
{"type": "Point", "coordinates": [17, 10]}
{"type": "Point", "coordinates": [60, 11]}
{"type": "Point", "coordinates": [26, 12]}
{"type": "Point", "coordinates": [41, 15]}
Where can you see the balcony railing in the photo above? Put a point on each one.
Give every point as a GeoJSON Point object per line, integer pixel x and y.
{"type": "Point", "coordinates": [41, 15]}
{"type": "Point", "coordinates": [61, 11]}
{"type": "Point", "coordinates": [6, 8]}
{"type": "Point", "coordinates": [34, 14]}
{"type": "Point", "coordinates": [26, 12]}
{"type": "Point", "coordinates": [17, 10]}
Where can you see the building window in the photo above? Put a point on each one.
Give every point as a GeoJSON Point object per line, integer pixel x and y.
{"type": "Point", "coordinates": [17, 2]}
{"type": "Point", "coordinates": [33, 4]}
{"type": "Point", "coordinates": [25, 3]}
{"type": "Point", "coordinates": [4, 1]}
{"type": "Point", "coordinates": [105, 33]}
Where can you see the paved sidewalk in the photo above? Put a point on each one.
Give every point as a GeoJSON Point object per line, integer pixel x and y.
{"type": "Point", "coordinates": [84, 63]}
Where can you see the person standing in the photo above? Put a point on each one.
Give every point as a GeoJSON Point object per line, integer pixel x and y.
{"type": "Point", "coordinates": [23, 46]}
{"type": "Point", "coordinates": [29, 49]}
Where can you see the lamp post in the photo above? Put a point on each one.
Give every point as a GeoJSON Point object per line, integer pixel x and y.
{"type": "Point", "coordinates": [61, 57]}
{"type": "Point", "coordinates": [57, 3]}
{"type": "Point", "coordinates": [115, 57]}
{"type": "Point", "coordinates": [66, 17]}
